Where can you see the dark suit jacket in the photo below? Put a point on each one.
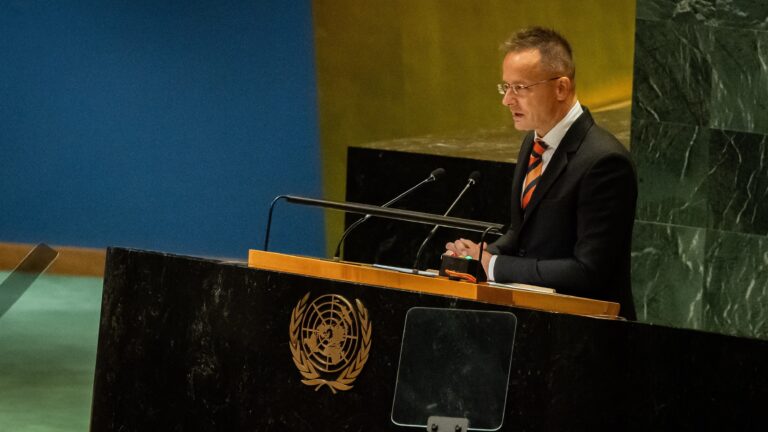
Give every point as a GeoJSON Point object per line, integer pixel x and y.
{"type": "Point", "coordinates": [576, 233]}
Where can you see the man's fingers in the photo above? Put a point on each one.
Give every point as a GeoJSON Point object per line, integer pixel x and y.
{"type": "Point", "coordinates": [464, 247]}
{"type": "Point", "coordinates": [452, 249]}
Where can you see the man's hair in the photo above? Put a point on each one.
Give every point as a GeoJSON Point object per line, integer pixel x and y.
{"type": "Point", "coordinates": [556, 55]}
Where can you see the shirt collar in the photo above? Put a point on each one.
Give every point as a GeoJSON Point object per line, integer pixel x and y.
{"type": "Point", "coordinates": [556, 134]}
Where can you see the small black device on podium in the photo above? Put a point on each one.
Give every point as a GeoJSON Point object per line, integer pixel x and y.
{"type": "Point", "coordinates": [454, 267]}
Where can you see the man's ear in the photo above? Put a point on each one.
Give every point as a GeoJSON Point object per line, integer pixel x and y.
{"type": "Point", "coordinates": [564, 85]}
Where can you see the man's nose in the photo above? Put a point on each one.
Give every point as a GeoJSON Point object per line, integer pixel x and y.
{"type": "Point", "coordinates": [508, 98]}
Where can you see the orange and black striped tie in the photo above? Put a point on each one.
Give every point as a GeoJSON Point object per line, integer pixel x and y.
{"type": "Point", "coordinates": [533, 174]}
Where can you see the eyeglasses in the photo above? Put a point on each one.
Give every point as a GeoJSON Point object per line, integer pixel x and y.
{"type": "Point", "coordinates": [518, 89]}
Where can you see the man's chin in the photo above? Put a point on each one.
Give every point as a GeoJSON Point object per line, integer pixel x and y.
{"type": "Point", "coordinates": [522, 127]}
{"type": "Point", "coordinates": [520, 123]}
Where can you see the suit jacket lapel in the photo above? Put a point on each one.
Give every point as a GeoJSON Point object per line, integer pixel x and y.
{"type": "Point", "coordinates": [570, 143]}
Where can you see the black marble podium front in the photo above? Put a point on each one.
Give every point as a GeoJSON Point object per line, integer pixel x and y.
{"type": "Point", "coordinates": [187, 344]}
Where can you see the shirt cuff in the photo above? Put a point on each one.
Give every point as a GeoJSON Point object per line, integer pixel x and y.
{"type": "Point", "coordinates": [491, 264]}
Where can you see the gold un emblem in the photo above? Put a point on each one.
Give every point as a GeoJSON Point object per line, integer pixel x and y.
{"type": "Point", "coordinates": [330, 340]}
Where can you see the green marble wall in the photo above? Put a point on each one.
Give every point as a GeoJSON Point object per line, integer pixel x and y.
{"type": "Point", "coordinates": [700, 140]}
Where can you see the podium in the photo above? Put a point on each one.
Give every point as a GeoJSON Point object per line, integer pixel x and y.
{"type": "Point", "coordinates": [301, 344]}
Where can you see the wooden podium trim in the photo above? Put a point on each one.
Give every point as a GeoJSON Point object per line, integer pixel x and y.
{"type": "Point", "coordinates": [359, 273]}
{"type": "Point", "coordinates": [366, 274]}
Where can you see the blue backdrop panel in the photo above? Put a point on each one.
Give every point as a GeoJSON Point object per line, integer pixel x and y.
{"type": "Point", "coordinates": [167, 125]}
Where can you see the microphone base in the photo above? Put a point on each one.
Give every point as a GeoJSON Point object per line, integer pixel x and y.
{"type": "Point", "coordinates": [462, 265]}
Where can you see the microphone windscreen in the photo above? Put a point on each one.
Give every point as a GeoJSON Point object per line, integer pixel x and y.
{"type": "Point", "coordinates": [438, 173]}
{"type": "Point", "coordinates": [475, 176]}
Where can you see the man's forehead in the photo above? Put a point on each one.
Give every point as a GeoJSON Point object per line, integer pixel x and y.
{"type": "Point", "coordinates": [528, 57]}
{"type": "Point", "coordinates": [522, 62]}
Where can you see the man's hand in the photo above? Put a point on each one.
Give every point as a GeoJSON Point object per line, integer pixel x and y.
{"type": "Point", "coordinates": [464, 247]}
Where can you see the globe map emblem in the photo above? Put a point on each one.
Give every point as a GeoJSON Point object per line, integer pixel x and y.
{"type": "Point", "coordinates": [330, 333]}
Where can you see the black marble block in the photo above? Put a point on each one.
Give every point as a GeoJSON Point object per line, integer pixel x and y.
{"type": "Point", "coordinates": [188, 344]}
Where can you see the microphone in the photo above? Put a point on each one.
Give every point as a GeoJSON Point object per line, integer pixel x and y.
{"type": "Point", "coordinates": [435, 175]}
{"type": "Point", "coordinates": [471, 181]}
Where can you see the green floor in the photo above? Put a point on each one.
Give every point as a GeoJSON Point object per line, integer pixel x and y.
{"type": "Point", "coordinates": [47, 355]}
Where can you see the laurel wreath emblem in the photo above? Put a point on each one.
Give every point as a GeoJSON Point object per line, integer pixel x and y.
{"type": "Point", "coordinates": [312, 377]}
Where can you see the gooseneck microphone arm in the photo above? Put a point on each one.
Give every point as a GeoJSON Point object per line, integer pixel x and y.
{"type": "Point", "coordinates": [434, 175]}
{"type": "Point", "coordinates": [389, 213]}
{"type": "Point", "coordinates": [472, 180]}
{"type": "Point", "coordinates": [269, 219]}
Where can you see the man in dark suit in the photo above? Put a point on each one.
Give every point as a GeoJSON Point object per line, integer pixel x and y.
{"type": "Point", "coordinates": [574, 188]}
